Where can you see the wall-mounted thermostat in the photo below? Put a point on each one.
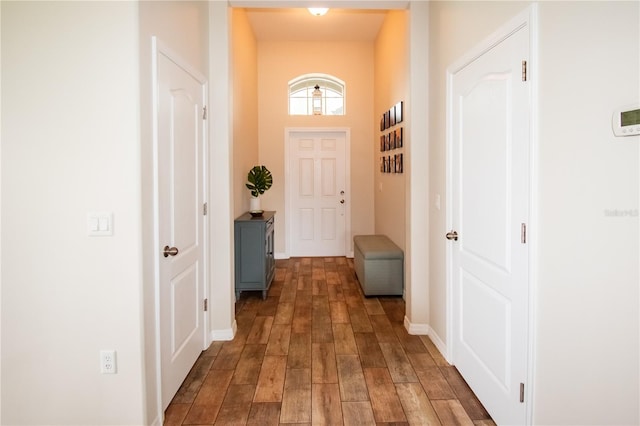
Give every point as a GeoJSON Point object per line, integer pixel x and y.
{"type": "Point", "coordinates": [626, 121]}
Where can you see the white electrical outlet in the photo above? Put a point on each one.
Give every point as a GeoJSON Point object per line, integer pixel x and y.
{"type": "Point", "coordinates": [108, 363]}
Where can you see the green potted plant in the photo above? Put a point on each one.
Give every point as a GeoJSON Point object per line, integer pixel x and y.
{"type": "Point", "coordinates": [259, 181]}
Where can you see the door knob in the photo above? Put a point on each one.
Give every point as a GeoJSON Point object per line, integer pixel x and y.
{"type": "Point", "coordinates": [170, 251]}
{"type": "Point", "coordinates": [341, 201]}
{"type": "Point", "coordinates": [452, 235]}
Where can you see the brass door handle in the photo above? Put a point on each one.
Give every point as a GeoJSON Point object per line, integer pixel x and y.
{"type": "Point", "coordinates": [170, 251]}
{"type": "Point", "coordinates": [452, 235]}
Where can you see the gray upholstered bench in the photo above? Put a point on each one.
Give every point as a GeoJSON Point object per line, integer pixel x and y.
{"type": "Point", "coordinates": [379, 265]}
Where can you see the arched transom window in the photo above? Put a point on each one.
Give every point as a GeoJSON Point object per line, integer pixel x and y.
{"type": "Point", "coordinates": [316, 94]}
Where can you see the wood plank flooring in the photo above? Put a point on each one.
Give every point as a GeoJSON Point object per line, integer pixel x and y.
{"type": "Point", "coordinates": [316, 352]}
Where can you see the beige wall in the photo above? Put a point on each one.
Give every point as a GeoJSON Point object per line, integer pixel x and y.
{"type": "Point", "coordinates": [279, 62]}
{"type": "Point", "coordinates": [70, 145]}
{"type": "Point", "coordinates": [244, 51]}
{"type": "Point", "coordinates": [391, 86]}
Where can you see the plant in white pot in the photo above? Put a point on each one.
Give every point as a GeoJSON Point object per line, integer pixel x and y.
{"type": "Point", "coordinates": [260, 180]}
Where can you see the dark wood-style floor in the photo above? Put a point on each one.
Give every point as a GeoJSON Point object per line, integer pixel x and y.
{"type": "Point", "coordinates": [317, 352]}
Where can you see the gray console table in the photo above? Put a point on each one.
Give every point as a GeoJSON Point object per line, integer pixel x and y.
{"type": "Point", "coordinates": [254, 261]}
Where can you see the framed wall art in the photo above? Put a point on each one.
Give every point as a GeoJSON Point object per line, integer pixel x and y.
{"type": "Point", "coordinates": [392, 139]}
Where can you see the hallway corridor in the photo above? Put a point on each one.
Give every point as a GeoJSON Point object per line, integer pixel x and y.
{"type": "Point", "coordinates": [317, 352]}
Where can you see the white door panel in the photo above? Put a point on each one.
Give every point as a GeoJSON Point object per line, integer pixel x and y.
{"type": "Point", "coordinates": [180, 164]}
{"type": "Point", "coordinates": [490, 196]}
{"type": "Point", "coordinates": [483, 114]}
{"type": "Point", "coordinates": [184, 291]}
{"type": "Point", "coordinates": [317, 193]}
{"type": "Point", "coordinates": [485, 309]}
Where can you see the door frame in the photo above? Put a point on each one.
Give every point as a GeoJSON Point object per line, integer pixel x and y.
{"type": "Point", "coordinates": [528, 17]}
{"type": "Point", "coordinates": [288, 131]}
{"type": "Point", "coordinates": [158, 48]}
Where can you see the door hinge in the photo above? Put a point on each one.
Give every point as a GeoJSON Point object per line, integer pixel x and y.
{"type": "Point", "coordinates": [204, 112]}
{"type": "Point", "coordinates": [205, 209]}
{"type": "Point", "coordinates": [206, 305]}
{"type": "Point", "coordinates": [521, 392]}
{"type": "Point", "coordinates": [524, 70]}
{"type": "Point", "coordinates": [523, 233]}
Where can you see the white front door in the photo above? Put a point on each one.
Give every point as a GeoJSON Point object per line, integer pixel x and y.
{"type": "Point", "coordinates": [490, 118]}
{"type": "Point", "coordinates": [180, 165]}
{"type": "Point", "coordinates": [317, 193]}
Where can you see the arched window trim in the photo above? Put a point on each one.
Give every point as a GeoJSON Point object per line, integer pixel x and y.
{"type": "Point", "coordinates": [302, 86]}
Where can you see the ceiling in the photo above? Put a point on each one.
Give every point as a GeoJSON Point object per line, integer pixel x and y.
{"type": "Point", "coordinates": [297, 24]}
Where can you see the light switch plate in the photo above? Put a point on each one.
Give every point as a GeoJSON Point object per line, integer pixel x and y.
{"type": "Point", "coordinates": [100, 224]}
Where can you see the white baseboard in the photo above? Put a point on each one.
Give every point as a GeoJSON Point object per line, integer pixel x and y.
{"type": "Point", "coordinates": [426, 330]}
{"type": "Point", "coordinates": [225, 334]}
{"type": "Point", "coordinates": [156, 422]}
{"type": "Point", "coordinates": [416, 329]}
{"type": "Point", "coordinates": [437, 341]}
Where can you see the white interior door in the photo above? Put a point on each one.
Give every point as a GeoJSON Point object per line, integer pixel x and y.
{"type": "Point", "coordinates": [180, 164]}
{"type": "Point", "coordinates": [490, 206]}
{"type": "Point", "coordinates": [318, 193]}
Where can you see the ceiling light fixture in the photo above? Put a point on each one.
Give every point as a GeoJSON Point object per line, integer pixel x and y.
{"type": "Point", "coordinates": [318, 11]}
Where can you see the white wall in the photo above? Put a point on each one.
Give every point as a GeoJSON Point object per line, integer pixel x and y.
{"type": "Point", "coordinates": [416, 168]}
{"type": "Point", "coordinates": [222, 314]}
{"type": "Point", "coordinates": [586, 335]}
{"type": "Point", "coordinates": [70, 146]}
{"type": "Point", "coordinates": [86, 82]}
{"type": "Point", "coordinates": [0, 216]}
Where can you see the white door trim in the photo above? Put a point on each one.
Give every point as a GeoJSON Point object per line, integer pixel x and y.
{"type": "Point", "coordinates": [288, 131]}
{"type": "Point", "coordinates": [528, 17]}
{"type": "Point", "coordinates": [158, 48]}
